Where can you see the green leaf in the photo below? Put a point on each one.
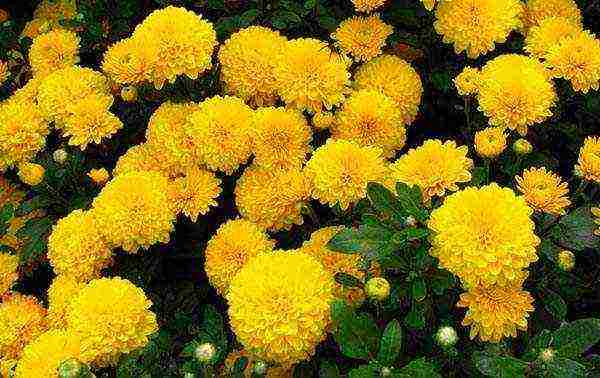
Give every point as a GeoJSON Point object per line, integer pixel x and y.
{"type": "Point", "coordinates": [499, 366]}
{"type": "Point", "coordinates": [540, 342]}
{"type": "Point", "coordinates": [384, 201]}
{"type": "Point", "coordinates": [576, 230]}
{"type": "Point", "coordinates": [574, 338]}
{"type": "Point", "coordinates": [419, 289]}
{"type": "Point", "coordinates": [442, 81]}
{"type": "Point", "coordinates": [411, 200]}
{"type": "Point", "coordinates": [356, 333]}
{"type": "Point", "coordinates": [328, 23]}
{"type": "Point", "coordinates": [347, 280]}
{"type": "Point", "coordinates": [310, 4]}
{"type": "Point", "coordinates": [35, 233]}
{"type": "Point", "coordinates": [565, 368]}
{"type": "Point", "coordinates": [372, 241]}
{"type": "Point", "coordinates": [549, 250]}
{"type": "Point", "coordinates": [390, 344]}
{"type": "Point", "coordinates": [364, 371]}
{"type": "Point", "coordinates": [554, 304]}
{"type": "Point", "coordinates": [479, 176]}
{"type": "Point", "coordinates": [415, 319]}
{"type": "Point", "coordinates": [419, 368]}
{"type": "Point", "coordinates": [239, 367]}
{"type": "Point", "coordinates": [441, 281]}
{"type": "Point", "coordinates": [328, 369]}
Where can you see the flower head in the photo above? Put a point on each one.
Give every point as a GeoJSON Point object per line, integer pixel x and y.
{"type": "Point", "coordinates": [149, 156]}
{"type": "Point", "coordinates": [22, 319]}
{"type": "Point", "coordinates": [537, 11]}
{"type": "Point", "coordinates": [588, 163]}
{"type": "Point", "coordinates": [61, 293]}
{"type": "Point", "coordinates": [279, 306]}
{"type": "Point", "coordinates": [446, 336]}
{"type": "Point", "coordinates": [496, 312]}
{"type": "Point", "coordinates": [394, 78]}
{"type": "Point", "coordinates": [205, 352]}
{"type": "Point", "coordinates": [371, 118]}
{"type": "Point", "coordinates": [367, 6]}
{"type": "Point", "coordinates": [566, 260]}
{"type": "Point", "coordinates": [8, 271]}
{"type": "Point", "coordinates": [378, 288]}
{"type": "Point", "coordinates": [548, 33]}
{"type": "Point", "coordinates": [544, 191]}
{"type": "Point", "coordinates": [484, 235]}
{"type": "Point", "coordinates": [31, 173]}
{"type": "Point", "coordinates": [52, 51]}
{"type": "Point", "coordinates": [43, 356]}
{"type": "Point", "coordinates": [323, 120]}
{"type": "Point", "coordinates": [362, 37]}
{"type": "Point", "coordinates": [490, 142]}
{"type": "Point", "coordinates": [60, 156]}
{"type": "Point", "coordinates": [195, 193]}
{"type": "Point", "coordinates": [467, 82]}
{"type": "Point", "coordinates": [234, 243]}
{"type": "Point", "coordinates": [435, 167]}
{"type": "Point", "coordinates": [522, 146]}
{"type": "Point", "coordinates": [130, 61]}
{"type": "Point", "coordinates": [340, 170]}
{"type": "Point", "coordinates": [99, 176]}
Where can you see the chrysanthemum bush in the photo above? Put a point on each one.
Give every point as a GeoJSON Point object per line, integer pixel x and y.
{"type": "Point", "coordinates": [323, 188]}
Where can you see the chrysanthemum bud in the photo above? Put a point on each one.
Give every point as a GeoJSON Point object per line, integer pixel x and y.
{"type": "Point", "coordinates": [386, 372]}
{"type": "Point", "coordinates": [378, 288]}
{"type": "Point", "coordinates": [205, 352]}
{"type": "Point", "coordinates": [129, 94]}
{"type": "Point", "coordinates": [60, 156]}
{"type": "Point", "coordinates": [99, 176]}
{"type": "Point", "coordinates": [446, 336]}
{"type": "Point", "coordinates": [73, 368]}
{"type": "Point", "coordinates": [566, 260]}
{"type": "Point", "coordinates": [410, 221]}
{"type": "Point", "coordinates": [260, 368]}
{"type": "Point", "coordinates": [547, 355]}
{"type": "Point", "coordinates": [522, 147]}
{"type": "Point", "coordinates": [31, 173]}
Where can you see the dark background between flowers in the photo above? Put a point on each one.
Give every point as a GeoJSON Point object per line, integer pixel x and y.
{"type": "Point", "coordinates": [173, 275]}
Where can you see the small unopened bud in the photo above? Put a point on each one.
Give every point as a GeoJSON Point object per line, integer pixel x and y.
{"type": "Point", "coordinates": [386, 372]}
{"type": "Point", "coordinates": [205, 352]}
{"type": "Point", "coordinates": [60, 156]}
{"type": "Point", "coordinates": [566, 260]}
{"type": "Point", "coordinates": [446, 337]}
{"type": "Point", "coordinates": [189, 375]}
{"type": "Point", "coordinates": [73, 368]}
{"type": "Point", "coordinates": [522, 147]}
{"type": "Point", "coordinates": [260, 368]}
{"type": "Point", "coordinates": [378, 288]}
{"type": "Point", "coordinates": [410, 221]}
{"type": "Point", "coordinates": [547, 355]}
{"type": "Point", "coordinates": [129, 94]}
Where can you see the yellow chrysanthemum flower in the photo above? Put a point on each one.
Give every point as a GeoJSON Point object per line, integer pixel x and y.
{"type": "Point", "coordinates": [496, 312]}
{"type": "Point", "coordinates": [76, 248]}
{"type": "Point", "coordinates": [130, 61]}
{"type": "Point", "coordinates": [566, 260]}
{"type": "Point", "coordinates": [537, 11]}
{"type": "Point", "coordinates": [111, 316]}
{"type": "Point", "coordinates": [544, 191]}
{"type": "Point", "coordinates": [133, 210]}
{"type": "Point", "coordinates": [248, 60]}
{"type": "Point", "coordinates": [362, 37]}
{"type": "Point", "coordinates": [467, 82]}
{"type": "Point", "coordinates": [340, 170]}
{"type": "Point", "coordinates": [49, 15]}
{"type": "Point", "coordinates": [43, 356]}
{"type": "Point", "coordinates": [61, 293]}
{"type": "Point", "coordinates": [273, 199]}
{"type": "Point", "coordinates": [435, 167]}
{"type": "Point", "coordinates": [195, 193]}
{"type": "Point", "coordinates": [310, 76]}
{"type": "Point", "coordinates": [367, 6]}
{"type": "Point", "coordinates": [548, 33]}
{"type": "Point", "coordinates": [8, 271]}
{"type": "Point", "coordinates": [323, 120]}
{"type": "Point", "coordinates": [279, 306]}
{"type": "Point", "coordinates": [148, 157]}
{"type": "Point", "coordinates": [522, 146]}
{"type": "Point", "coordinates": [53, 51]}
{"type": "Point", "coordinates": [576, 58]}
{"type": "Point", "coordinates": [371, 118]}
{"type": "Point", "coordinates": [490, 142]}
{"type": "Point", "coordinates": [588, 163]}
{"type": "Point", "coordinates": [22, 319]}
{"type": "Point", "coordinates": [220, 132]}
{"type": "Point", "coordinates": [235, 242]}
{"type": "Point", "coordinates": [31, 173]}
{"type": "Point", "coordinates": [484, 235]}
{"type": "Point", "coordinates": [475, 26]}
{"type": "Point", "coordinates": [396, 79]}
{"type": "Point", "coordinates": [99, 176]}
{"type": "Point", "coordinates": [515, 91]}
{"type": "Point", "coordinates": [280, 138]}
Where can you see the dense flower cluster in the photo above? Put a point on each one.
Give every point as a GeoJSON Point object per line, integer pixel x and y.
{"type": "Point", "coordinates": [548, 33]}
{"type": "Point", "coordinates": [367, 5]}
{"type": "Point", "coordinates": [31, 173]}
{"type": "Point", "coordinates": [543, 191]}
{"type": "Point", "coordinates": [362, 37]}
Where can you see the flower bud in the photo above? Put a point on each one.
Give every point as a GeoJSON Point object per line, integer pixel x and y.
{"type": "Point", "coordinates": [205, 352]}
{"type": "Point", "coordinates": [260, 368]}
{"type": "Point", "coordinates": [31, 173]}
{"type": "Point", "coordinates": [378, 288]}
{"type": "Point", "coordinates": [98, 176]}
{"type": "Point", "coordinates": [129, 94]}
{"type": "Point", "coordinates": [566, 260]}
{"type": "Point", "coordinates": [446, 337]}
{"type": "Point", "coordinates": [522, 147]}
{"type": "Point", "coordinates": [73, 368]}
{"type": "Point", "coordinates": [410, 221]}
{"type": "Point", "coordinates": [547, 355]}
{"type": "Point", "coordinates": [60, 156]}
{"type": "Point", "coordinates": [386, 372]}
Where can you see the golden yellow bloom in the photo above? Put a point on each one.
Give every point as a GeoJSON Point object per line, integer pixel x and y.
{"type": "Point", "coordinates": [90, 121]}
{"type": "Point", "coordinates": [340, 170]}
{"type": "Point", "coordinates": [588, 163]}
{"type": "Point", "coordinates": [515, 91]}
{"type": "Point", "coordinates": [378, 288]}
{"type": "Point", "coordinates": [133, 210]}
{"type": "Point", "coordinates": [279, 306]}
{"type": "Point", "coordinates": [490, 142]}
{"type": "Point", "coordinates": [576, 58]}
{"type": "Point", "coordinates": [496, 312]}
{"type": "Point", "coordinates": [596, 213]}
{"type": "Point", "coordinates": [8, 271]}
{"type": "Point", "coordinates": [99, 176]}
{"type": "Point", "coordinates": [394, 78]}
{"type": "Point", "coordinates": [4, 72]}
{"type": "Point", "coordinates": [310, 76]}
{"type": "Point", "coordinates": [475, 26]}
{"type": "Point", "coordinates": [544, 191]}
{"type": "Point", "coordinates": [149, 157]}
{"type": "Point", "coordinates": [248, 60]}
{"type": "Point", "coordinates": [280, 138]}
{"type": "Point", "coordinates": [129, 94]}
{"type": "Point", "coordinates": [484, 235]}
{"type": "Point", "coordinates": [195, 193]}
{"type": "Point", "coordinates": [31, 173]}
{"type": "Point", "coordinates": [371, 118]}
{"type": "Point", "coordinates": [130, 61]}
{"type": "Point", "coordinates": [273, 199]}
{"type": "Point", "coordinates": [522, 146]}
{"type": "Point", "coordinates": [48, 15]}
{"type": "Point", "coordinates": [362, 37]}
{"type": "Point", "coordinates": [323, 120]}
{"type": "Point", "coordinates": [76, 248]}
{"type": "Point", "coordinates": [467, 82]}
{"type": "Point", "coordinates": [60, 294]}
{"type": "Point", "coordinates": [235, 242]}
{"type": "Point", "coordinates": [43, 356]}
{"type": "Point", "coordinates": [220, 132]}
{"type": "Point", "coordinates": [566, 260]}
{"type": "Point", "coordinates": [548, 33]}
{"type": "Point", "coordinates": [53, 51]}
{"type": "Point", "coordinates": [435, 167]}
{"type": "Point", "coordinates": [537, 11]}
{"type": "Point", "coordinates": [367, 6]}
{"type": "Point", "coordinates": [111, 316]}
{"type": "Point", "coordinates": [22, 319]}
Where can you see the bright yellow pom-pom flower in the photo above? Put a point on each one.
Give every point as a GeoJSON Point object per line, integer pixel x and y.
{"type": "Point", "coordinates": [149, 157]}
{"type": "Point", "coordinates": [130, 61]}
{"type": "Point", "coordinates": [31, 173]}
{"type": "Point", "coordinates": [99, 176]}
{"type": "Point", "coordinates": [544, 191]}
{"type": "Point", "coordinates": [195, 193]}
{"type": "Point", "coordinates": [371, 118]}
{"type": "Point", "coordinates": [537, 11]}
{"type": "Point", "coordinates": [281, 138]}
{"type": "Point", "coordinates": [279, 306]}
{"type": "Point", "coordinates": [112, 317]}
{"type": "Point", "coordinates": [467, 82]}
{"type": "Point", "coordinates": [248, 60]}
{"type": "Point", "coordinates": [496, 312]}
{"type": "Point", "coordinates": [435, 167]}
{"type": "Point", "coordinates": [8, 271]}
{"type": "Point", "coordinates": [133, 210]}
{"type": "Point", "coordinates": [490, 142]}
{"type": "Point", "coordinates": [340, 170]}
{"type": "Point", "coordinates": [362, 37]}
{"type": "Point", "coordinates": [475, 26]}
{"type": "Point", "coordinates": [22, 319]}
{"type": "Point", "coordinates": [588, 163]}
{"type": "Point", "coordinates": [273, 199]}
{"type": "Point", "coordinates": [394, 78]}
{"type": "Point", "coordinates": [548, 33]}
{"type": "Point", "coordinates": [52, 51]}
{"type": "Point", "coordinates": [367, 6]}
{"type": "Point", "coordinates": [61, 293]}
{"type": "Point", "coordinates": [484, 235]}
{"type": "Point", "coordinates": [310, 76]}
{"type": "Point", "coordinates": [235, 242]}
{"type": "Point", "coordinates": [76, 248]}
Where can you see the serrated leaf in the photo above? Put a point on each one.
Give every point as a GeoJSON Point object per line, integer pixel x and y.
{"type": "Point", "coordinates": [573, 339]}
{"type": "Point", "coordinates": [390, 344]}
{"type": "Point", "coordinates": [576, 230]}
{"type": "Point", "coordinates": [356, 333]}
{"type": "Point", "coordinates": [540, 342]}
{"type": "Point", "coordinates": [554, 304]}
{"type": "Point", "coordinates": [565, 368]}
{"type": "Point", "coordinates": [384, 201]}
{"type": "Point", "coordinates": [499, 366]}
{"type": "Point", "coordinates": [411, 200]}
{"type": "Point", "coordinates": [419, 289]}
{"type": "Point", "coordinates": [371, 241]}
{"type": "Point", "coordinates": [419, 368]}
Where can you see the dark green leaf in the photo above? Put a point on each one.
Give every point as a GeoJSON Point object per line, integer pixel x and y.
{"type": "Point", "coordinates": [411, 201]}
{"type": "Point", "coordinates": [415, 319]}
{"type": "Point", "coordinates": [391, 344]}
{"type": "Point", "coordinates": [565, 368]}
{"type": "Point", "coordinates": [328, 369]}
{"type": "Point", "coordinates": [574, 338]}
{"type": "Point", "coordinates": [419, 289]}
{"type": "Point", "coordinates": [554, 304]}
{"type": "Point", "coordinates": [347, 280]}
{"type": "Point", "coordinates": [499, 366]}
{"type": "Point", "coordinates": [576, 230]}
{"type": "Point", "coordinates": [364, 371]}
{"type": "Point", "coordinates": [419, 368]}
{"type": "Point", "coordinates": [441, 281]}
{"type": "Point", "coordinates": [356, 333]}
{"type": "Point", "coordinates": [328, 23]}
{"type": "Point", "coordinates": [384, 201]}
{"type": "Point", "coordinates": [540, 342]}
